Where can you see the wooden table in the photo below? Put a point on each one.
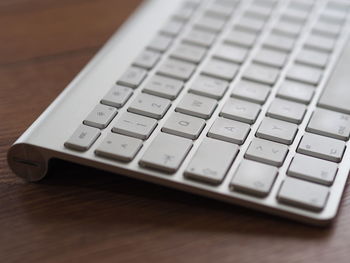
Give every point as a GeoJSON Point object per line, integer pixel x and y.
{"type": "Point", "coordinates": [93, 216]}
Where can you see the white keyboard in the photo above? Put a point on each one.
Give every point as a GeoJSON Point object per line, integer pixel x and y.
{"type": "Point", "coordinates": [243, 101]}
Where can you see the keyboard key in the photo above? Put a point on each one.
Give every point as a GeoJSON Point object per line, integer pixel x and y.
{"type": "Point", "coordinates": [169, 158]}
{"type": "Point", "coordinates": [209, 23]}
{"type": "Point", "coordinates": [313, 169]}
{"type": "Point", "coordinates": [197, 106]}
{"type": "Point", "coordinates": [258, 12]}
{"type": "Point", "coordinates": [250, 24]}
{"type": "Point", "coordinates": [251, 91]}
{"type": "Point", "coordinates": [147, 59]}
{"type": "Point", "coordinates": [150, 106]}
{"type": "Point", "coordinates": [189, 53]}
{"type": "Point", "coordinates": [312, 58]}
{"type": "Point", "coordinates": [135, 125]}
{"type": "Point", "coordinates": [117, 96]}
{"type": "Point", "coordinates": [330, 123]}
{"type": "Point", "coordinates": [184, 13]}
{"type": "Point", "coordinates": [211, 161]}
{"type": "Point", "coordinates": [296, 91]}
{"type": "Point", "coordinates": [242, 38]}
{"type": "Point", "coordinates": [240, 110]}
{"type": "Point", "coordinates": [119, 147]}
{"type": "Point", "coordinates": [271, 58]}
{"type": "Point", "coordinates": [320, 43]}
{"type": "Point", "coordinates": [200, 37]}
{"type": "Point", "coordinates": [277, 131]}
{"type": "Point", "coordinates": [221, 11]}
{"type": "Point", "coordinates": [160, 43]}
{"type": "Point", "coordinates": [164, 87]}
{"type": "Point", "coordinates": [287, 111]}
{"type": "Point", "coordinates": [184, 126]}
{"type": "Point", "coordinates": [231, 53]}
{"type": "Point", "coordinates": [267, 152]}
{"type": "Point", "coordinates": [83, 138]}
{"type": "Point", "coordinates": [336, 18]}
{"type": "Point", "coordinates": [229, 130]}
{"type": "Point", "coordinates": [133, 77]}
{"type": "Point", "coordinates": [303, 194]}
{"type": "Point", "coordinates": [305, 74]}
{"type": "Point", "coordinates": [295, 16]}
{"type": "Point", "coordinates": [288, 28]}
{"type": "Point", "coordinates": [278, 42]}
{"type": "Point", "coordinates": [220, 69]}
{"type": "Point", "coordinates": [100, 116]}
{"type": "Point", "coordinates": [172, 28]}
{"type": "Point", "coordinates": [177, 69]}
{"type": "Point", "coordinates": [322, 147]}
{"type": "Point", "coordinates": [262, 74]}
{"type": "Point", "coordinates": [327, 29]}
{"type": "Point", "coordinates": [209, 87]}
{"type": "Point", "coordinates": [254, 178]}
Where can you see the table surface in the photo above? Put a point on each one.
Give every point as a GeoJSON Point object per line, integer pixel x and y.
{"type": "Point", "coordinates": [93, 216]}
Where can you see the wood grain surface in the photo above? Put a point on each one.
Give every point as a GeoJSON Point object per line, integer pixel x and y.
{"type": "Point", "coordinates": [85, 215]}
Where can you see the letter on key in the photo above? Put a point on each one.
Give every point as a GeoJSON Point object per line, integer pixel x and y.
{"type": "Point", "coordinates": [166, 153]}
{"type": "Point", "coordinates": [211, 161]}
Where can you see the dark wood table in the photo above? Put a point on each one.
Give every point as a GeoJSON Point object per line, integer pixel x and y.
{"type": "Point", "coordinates": [93, 216]}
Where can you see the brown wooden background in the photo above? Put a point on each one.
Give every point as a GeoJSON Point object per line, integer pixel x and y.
{"type": "Point", "coordinates": [79, 214]}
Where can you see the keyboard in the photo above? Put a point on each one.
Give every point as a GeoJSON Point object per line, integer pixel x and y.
{"type": "Point", "coordinates": [242, 101]}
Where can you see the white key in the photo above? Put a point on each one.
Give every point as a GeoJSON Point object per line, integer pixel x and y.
{"type": "Point", "coordinates": [278, 42]}
{"type": "Point", "coordinates": [240, 110]}
{"type": "Point", "coordinates": [133, 77]}
{"type": "Point", "coordinates": [184, 126]}
{"type": "Point", "coordinates": [327, 29]}
{"type": "Point", "coordinates": [303, 194]}
{"type": "Point", "coordinates": [209, 87]}
{"type": "Point", "coordinates": [184, 13]}
{"type": "Point", "coordinates": [258, 12]}
{"type": "Point", "coordinates": [229, 130]}
{"type": "Point", "coordinates": [330, 123]}
{"type": "Point", "coordinates": [312, 58]}
{"type": "Point", "coordinates": [166, 153]}
{"type": "Point", "coordinates": [305, 74]}
{"type": "Point", "coordinates": [150, 106]}
{"type": "Point", "coordinates": [296, 91]}
{"type": "Point", "coordinates": [251, 91]}
{"type": "Point", "coordinates": [200, 37]}
{"type": "Point", "coordinates": [288, 28]}
{"type": "Point", "coordinates": [250, 24]}
{"type": "Point", "coordinates": [135, 125]}
{"type": "Point", "coordinates": [164, 87]}
{"type": "Point", "coordinates": [271, 58]}
{"type": "Point", "coordinates": [83, 138]}
{"type": "Point", "coordinates": [117, 96]}
{"type": "Point", "coordinates": [213, 24]}
{"type": "Point", "coordinates": [277, 131]}
{"type": "Point", "coordinates": [119, 147]}
{"type": "Point", "coordinates": [222, 11]}
{"type": "Point", "coordinates": [313, 169]}
{"type": "Point", "coordinates": [322, 147]}
{"type": "Point", "coordinates": [197, 106]}
{"type": "Point", "coordinates": [267, 152]}
{"type": "Point", "coordinates": [160, 43]}
{"type": "Point", "coordinates": [230, 53]}
{"type": "Point", "coordinates": [295, 16]}
{"type": "Point", "coordinates": [287, 111]}
{"type": "Point", "coordinates": [321, 43]}
{"type": "Point", "coordinates": [188, 53]}
{"type": "Point", "coordinates": [242, 38]}
{"type": "Point", "coordinates": [262, 74]}
{"type": "Point", "coordinates": [211, 161]}
{"type": "Point", "coordinates": [220, 69]}
{"type": "Point", "coordinates": [147, 59]}
{"type": "Point", "coordinates": [337, 18]}
{"type": "Point", "coordinates": [176, 69]}
{"type": "Point", "coordinates": [100, 116]}
{"type": "Point", "coordinates": [254, 178]}
{"type": "Point", "coordinates": [172, 28]}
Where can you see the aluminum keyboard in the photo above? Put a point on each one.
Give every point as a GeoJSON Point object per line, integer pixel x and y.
{"type": "Point", "coordinates": [231, 95]}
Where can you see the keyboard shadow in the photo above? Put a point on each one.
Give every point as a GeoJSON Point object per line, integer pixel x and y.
{"type": "Point", "coordinates": [76, 194]}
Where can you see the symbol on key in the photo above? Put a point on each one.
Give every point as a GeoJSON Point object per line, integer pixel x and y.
{"type": "Point", "coordinates": [333, 151]}
{"type": "Point", "coordinates": [100, 113]}
{"type": "Point", "coordinates": [109, 142]}
{"type": "Point", "coordinates": [168, 158]}
{"type": "Point", "coordinates": [124, 145]}
{"type": "Point", "coordinates": [260, 148]}
{"type": "Point", "coordinates": [208, 171]}
{"type": "Point", "coordinates": [231, 129]}
{"type": "Point", "coordinates": [82, 135]}
{"type": "Point", "coordinates": [184, 123]}
{"type": "Point", "coordinates": [197, 103]}
{"type": "Point", "coordinates": [259, 185]}
{"type": "Point", "coordinates": [275, 151]}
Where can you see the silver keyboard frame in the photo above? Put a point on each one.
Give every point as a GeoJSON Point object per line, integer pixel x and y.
{"type": "Point", "coordinates": [30, 155]}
